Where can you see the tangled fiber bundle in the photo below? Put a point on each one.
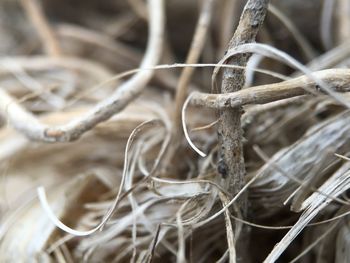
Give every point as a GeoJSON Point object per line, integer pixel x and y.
{"type": "Point", "coordinates": [174, 131]}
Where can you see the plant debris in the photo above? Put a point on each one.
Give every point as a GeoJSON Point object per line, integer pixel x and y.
{"type": "Point", "coordinates": [174, 131]}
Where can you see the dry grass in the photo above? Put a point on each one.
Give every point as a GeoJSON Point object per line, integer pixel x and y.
{"type": "Point", "coordinates": [106, 155]}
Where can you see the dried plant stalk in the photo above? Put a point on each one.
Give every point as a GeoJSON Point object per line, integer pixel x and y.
{"type": "Point", "coordinates": [280, 176]}
{"type": "Point", "coordinates": [27, 124]}
{"type": "Point", "coordinates": [192, 57]}
{"type": "Point", "coordinates": [37, 17]}
{"type": "Point", "coordinates": [168, 202]}
{"type": "Point", "coordinates": [338, 79]}
{"type": "Point", "coordinates": [231, 163]}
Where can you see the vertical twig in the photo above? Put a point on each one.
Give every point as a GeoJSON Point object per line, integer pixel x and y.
{"type": "Point", "coordinates": [231, 163]}
{"type": "Point", "coordinates": [192, 57]}
{"type": "Point", "coordinates": [231, 160]}
{"type": "Point", "coordinates": [37, 17]}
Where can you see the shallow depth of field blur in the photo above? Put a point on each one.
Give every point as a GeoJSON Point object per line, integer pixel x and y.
{"type": "Point", "coordinates": [130, 187]}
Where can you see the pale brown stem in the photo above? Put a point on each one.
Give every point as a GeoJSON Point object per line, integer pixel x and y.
{"type": "Point", "coordinates": [29, 125]}
{"type": "Point", "coordinates": [192, 57]}
{"type": "Point", "coordinates": [231, 162]}
{"type": "Point", "coordinates": [45, 32]}
{"type": "Point", "coordinates": [337, 79]}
